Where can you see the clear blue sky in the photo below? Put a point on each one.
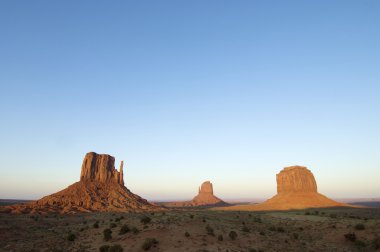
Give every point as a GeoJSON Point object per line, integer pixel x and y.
{"type": "Point", "coordinates": [188, 91]}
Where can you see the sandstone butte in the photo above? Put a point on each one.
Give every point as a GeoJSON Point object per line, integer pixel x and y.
{"type": "Point", "coordinates": [296, 189]}
{"type": "Point", "coordinates": [100, 189]}
{"type": "Point", "coordinates": [204, 198]}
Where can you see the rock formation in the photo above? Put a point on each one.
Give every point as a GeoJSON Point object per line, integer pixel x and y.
{"type": "Point", "coordinates": [296, 189]}
{"type": "Point", "coordinates": [101, 188]}
{"type": "Point", "coordinates": [205, 197]}
{"type": "Point", "coordinates": [295, 179]}
{"type": "Point", "coordinates": [101, 168]}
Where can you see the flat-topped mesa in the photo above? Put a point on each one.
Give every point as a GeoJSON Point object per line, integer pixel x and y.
{"type": "Point", "coordinates": [296, 189]}
{"type": "Point", "coordinates": [101, 168]}
{"type": "Point", "coordinates": [296, 179]}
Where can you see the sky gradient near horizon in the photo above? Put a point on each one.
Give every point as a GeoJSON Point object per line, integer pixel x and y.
{"type": "Point", "coordinates": [188, 91]}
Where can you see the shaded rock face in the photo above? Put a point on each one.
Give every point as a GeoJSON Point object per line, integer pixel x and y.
{"type": "Point", "coordinates": [296, 179]}
{"type": "Point", "coordinates": [101, 189]}
{"type": "Point", "coordinates": [101, 168]}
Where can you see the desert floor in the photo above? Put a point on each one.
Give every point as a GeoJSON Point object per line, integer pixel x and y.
{"type": "Point", "coordinates": [306, 230]}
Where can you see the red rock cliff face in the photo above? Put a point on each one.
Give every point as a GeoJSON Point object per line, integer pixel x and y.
{"type": "Point", "coordinates": [101, 168]}
{"type": "Point", "coordinates": [295, 179]}
{"type": "Point", "coordinates": [206, 188]}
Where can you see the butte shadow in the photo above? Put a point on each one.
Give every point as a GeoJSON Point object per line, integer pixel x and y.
{"type": "Point", "coordinates": [100, 189]}
{"type": "Point", "coordinates": [205, 198]}
{"type": "Point", "coordinates": [296, 189]}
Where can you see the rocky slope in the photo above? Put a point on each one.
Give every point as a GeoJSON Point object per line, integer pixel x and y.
{"type": "Point", "coordinates": [101, 188]}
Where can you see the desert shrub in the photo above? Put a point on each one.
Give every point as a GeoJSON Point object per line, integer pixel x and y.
{"type": "Point", "coordinates": [262, 233]}
{"type": "Point", "coordinates": [149, 243]}
{"type": "Point", "coordinates": [187, 234]}
{"type": "Point", "coordinates": [359, 226]}
{"type": "Point", "coordinates": [350, 236]}
{"type": "Point", "coordinates": [280, 229]}
{"type": "Point", "coordinates": [152, 213]}
{"type": "Point", "coordinates": [307, 213]}
{"type": "Point", "coordinates": [135, 230]}
{"type": "Point", "coordinates": [316, 212]}
{"type": "Point", "coordinates": [334, 216]}
{"type": "Point", "coordinates": [376, 243]}
{"type": "Point", "coordinates": [104, 248]}
{"type": "Point", "coordinates": [252, 250]}
{"type": "Point", "coordinates": [191, 216]}
{"type": "Point", "coordinates": [113, 225]}
{"type": "Point", "coordinates": [145, 220]}
{"type": "Point", "coordinates": [210, 230]}
{"type": "Point", "coordinates": [257, 219]}
{"type": "Point", "coordinates": [71, 237]}
{"type": "Point", "coordinates": [203, 219]}
{"type": "Point", "coordinates": [220, 237]}
{"type": "Point", "coordinates": [85, 222]}
{"type": "Point", "coordinates": [233, 235]}
{"type": "Point", "coordinates": [272, 228]}
{"type": "Point", "coordinates": [116, 248]}
{"type": "Point", "coordinates": [360, 244]}
{"type": "Point", "coordinates": [124, 229]}
{"type": "Point", "coordinates": [295, 236]}
{"type": "Point", "coordinates": [245, 229]}
{"type": "Point", "coordinates": [96, 224]}
{"type": "Point", "coordinates": [107, 234]}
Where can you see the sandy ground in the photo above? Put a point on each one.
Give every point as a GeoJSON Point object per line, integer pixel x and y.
{"type": "Point", "coordinates": [304, 230]}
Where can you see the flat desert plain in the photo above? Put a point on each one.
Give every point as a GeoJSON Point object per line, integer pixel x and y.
{"type": "Point", "coordinates": [337, 229]}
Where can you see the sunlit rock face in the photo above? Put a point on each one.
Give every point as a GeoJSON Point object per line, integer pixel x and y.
{"type": "Point", "coordinates": [296, 179]}
{"type": "Point", "coordinates": [101, 168]}
{"type": "Point", "coordinates": [296, 189]}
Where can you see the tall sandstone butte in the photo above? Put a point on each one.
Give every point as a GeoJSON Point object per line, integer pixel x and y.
{"type": "Point", "coordinates": [296, 189]}
{"type": "Point", "coordinates": [205, 197]}
{"type": "Point", "coordinates": [101, 188]}
{"type": "Point", "coordinates": [100, 167]}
